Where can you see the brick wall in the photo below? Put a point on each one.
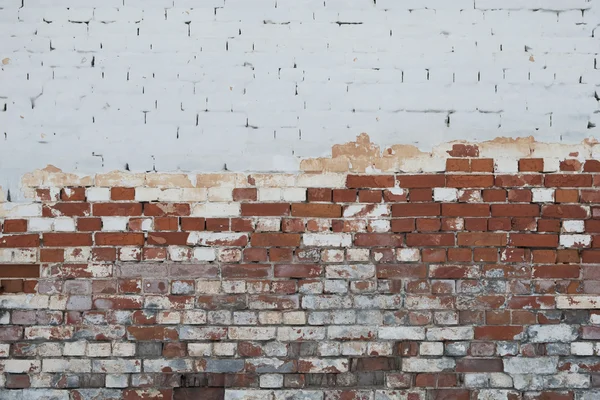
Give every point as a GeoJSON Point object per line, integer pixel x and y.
{"type": "Point", "coordinates": [259, 84]}
{"type": "Point", "coordinates": [476, 281]}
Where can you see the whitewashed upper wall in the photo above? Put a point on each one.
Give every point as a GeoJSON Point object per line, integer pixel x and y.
{"type": "Point", "coordinates": [96, 85]}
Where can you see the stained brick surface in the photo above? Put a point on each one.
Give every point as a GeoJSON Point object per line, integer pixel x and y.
{"type": "Point", "coordinates": [470, 284]}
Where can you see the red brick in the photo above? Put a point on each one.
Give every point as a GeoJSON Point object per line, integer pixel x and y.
{"type": "Point", "coordinates": [378, 239]}
{"type": "Point", "coordinates": [458, 165]}
{"type": "Point", "coordinates": [117, 209]}
{"type": "Point", "coordinates": [459, 255]}
{"type": "Point", "coordinates": [402, 225]}
{"type": "Point", "coordinates": [570, 165]}
{"type": "Point", "coordinates": [65, 210]}
{"type": "Point", "coordinates": [319, 194]}
{"type": "Point", "coordinates": [104, 254]}
{"type": "Point", "coordinates": [420, 195]}
{"type": "Point", "coordinates": [568, 180]}
{"type": "Point", "coordinates": [298, 271]}
{"type": "Point", "coordinates": [15, 226]}
{"type": "Point", "coordinates": [275, 239]}
{"type": "Point", "coordinates": [344, 195]}
{"type": "Point", "coordinates": [466, 210]}
{"type": "Point", "coordinates": [485, 255]}
{"type": "Point", "coordinates": [17, 381]}
{"type": "Point", "coordinates": [520, 196]}
{"type": "Point", "coordinates": [246, 271]}
{"type": "Point", "coordinates": [426, 239]}
{"type": "Point", "coordinates": [519, 180]}
{"type": "Point", "coordinates": [120, 239]}
{"type": "Point", "coordinates": [122, 193]}
{"type": "Point", "coordinates": [428, 224]}
{"type": "Point", "coordinates": [482, 165]}
{"type": "Point", "coordinates": [19, 270]}
{"type": "Point", "coordinates": [566, 195]}
{"type": "Point", "coordinates": [395, 271]}
{"type": "Point", "coordinates": [416, 210]}
{"type": "Point", "coordinates": [590, 196]}
{"type": "Point", "coordinates": [152, 333]}
{"type": "Point", "coordinates": [66, 239]}
{"type": "Point", "coordinates": [255, 254]}
{"type": "Point", "coordinates": [317, 210]}
{"type": "Point", "coordinates": [531, 164]}
{"type": "Point", "coordinates": [533, 240]}
{"type": "Point", "coordinates": [449, 394]}
{"type": "Point", "coordinates": [469, 181]}
{"type": "Point", "coordinates": [515, 210]}
{"type": "Point", "coordinates": [548, 225]}
{"type": "Point", "coordinates": [89, 224]}
{"type": "Point", "coordinates": [52, 255]}
{"type": "Point", "coordinates": [499, 224]}
{"type": "Point", "coordinates": [162, 238]}
{"type": "Point", "coordinates": [192, 224]}
{"type": "Point", "coordinates": [567, 211]}
{"type": "Point", "coordinates": [479, 365]}
{"type": "Point", "coordinates": [591, 166]}
{"type": "Point", "coordinates": [72, 194]}
{"type": "Point", "coordinates": [166, 209]}
{"type": "Point", "coordinates": [369, 181]}
{"type": "Point", "coordinates": [555, 271]}
{"type": "Point", "coordinates": [506, 332]}
{"type": "Point", "coordinates": [421, 181]}
{"type": "Point", "coordinates": [166, 223]}
{"type": "Point", "coordinates": [475, 224]}
{"type": "Point", "coordinates": [370, 196]}
{"type": "Point", "coordinates": [245, 194]}
{"type": "Point", "coordinates": [464, 150]}
{"type": "Point", "coordinates": [494, 195]}
{"type": "Point", "coordinates": [217, 224]}
{"type": "Point", "coordinates": [265, 209]}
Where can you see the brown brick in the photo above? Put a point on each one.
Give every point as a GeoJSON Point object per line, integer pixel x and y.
{"type": "Point", "coordinates": [497, 332]}
{"type": "Point", "coordinates": [52, 255]}
{"type": "Point", "coordinates": [246, 271]}
{"type": "Point", "coordinates": [65, 210]}
{"type": "Point", "coordinates": [370, 196]}
{"type": "Point", "coordinates": [298, 271]}
{"type": "Point", "coordinates": [163, 238]}
{"type": "Point", "coordinates": [533, 240]}
{"type": "Point", "coordinates": [117, 209]}
{"type": "Point", "coordinates": [166, 223]}
{"type": "Point", "coordinates": [464, 150]}
{"type": "Point", "coordinates": [469, 181]}
{"type": "Point", "coordinates": [424, 194]}
{"type": "Point", "coordinates": [245, 194]}
{"type": "Point", "coordinates": [416, 210]}
{"type": "Point", "coordinates": [482, 165]}
{"type": "Point", "coordinates": [515, 210]}
{"type": "Point", "coordinates": [531, 164]}
{"type": "Point", "coordinates": [67, 239]}
{"type": "Point", "coordinates": [19, 270]}
{"type": "Point", "coordinates": [378, 239]}
{"type": "Point", "coordinates": [421, 181]}
{"type": "Point", "coordinates": [166, 209]}
{"type": "Point", "coordinates": [89, 224]}
{"type": "Point", "coordinates": [568, 180]}
{"type": "Point", "coordinates": [192, 224]}
{"type": "Point", "coordinates": [72, 194]}
{"type": "Point", "coordinates": [15, 226]}
{"type": "Point", "coordinates": [120, 239]}
{"type": "Point", "coordinates": [479, 365]}
{"type": "Point", "coordinates": [566, 196]}
{"type": "Point", "coordinates": [458, 165]}
{"type": "Point", "coordinates": [122, 193]}
{"type": "Point", "coordinates": [518, 180]}
{"type": "Point", "coordinates": [466, 210]}
{"type": "Point", "coordinates": [265, 209]}
{"type": "Point", "coordinates": [317, 210]}
{"type": "Point", "coordinates": [564, 211]}
{"type": "Point", "coordinates": [275, 239]}
{"type": "Point", "coordinates": [369, 181]}
{"type": "Point", "coordinates": [429, 239]}
{"type": "Point", "coordinates": [217, 224]}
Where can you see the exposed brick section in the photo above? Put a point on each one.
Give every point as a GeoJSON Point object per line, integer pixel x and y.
{"type": "Point", "coordinates": [465, 284]}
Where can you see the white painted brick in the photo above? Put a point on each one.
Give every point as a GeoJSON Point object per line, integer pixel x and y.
{"type": "Point", "coordinates": [269, 194]}
{"type": "Point", "coordinates": [542, 195]}
{"type": "Point", "coordinates": [294, 194]}
{"type": "Point", "coordinates": [582, 348]}
{"type": "Point", "coordinates": [64, 224]}
{"type": "Point", "coordinates": [97, 194]}
{"type": "Point", "coordinates": [204, 254]}
{"type": "Point", "coordinates": [408, 254]}
{"type": "Point", "coordinates": [573, 226]}
{"type": "Point", "coordinates": [445, 194]}
{"type": "Point", "coordinates": [216, 210]}
{"type": "Point", "coordinates": [575, 240]}
{"type": "Point", "coordinates": [327, 239]}
{"type": "Point", "coordinates": [114, 223]}
{"type": "Point", "coordinates": [40, 224]}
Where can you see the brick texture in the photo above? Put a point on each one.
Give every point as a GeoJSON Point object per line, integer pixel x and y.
{"type": "Point", "coordinates": [472, 283]}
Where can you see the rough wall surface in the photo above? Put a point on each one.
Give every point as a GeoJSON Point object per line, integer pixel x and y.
{"type": "Point", "coordinates": [170, 85]}
{"type": "Point", "coordinates": [474, 280]}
